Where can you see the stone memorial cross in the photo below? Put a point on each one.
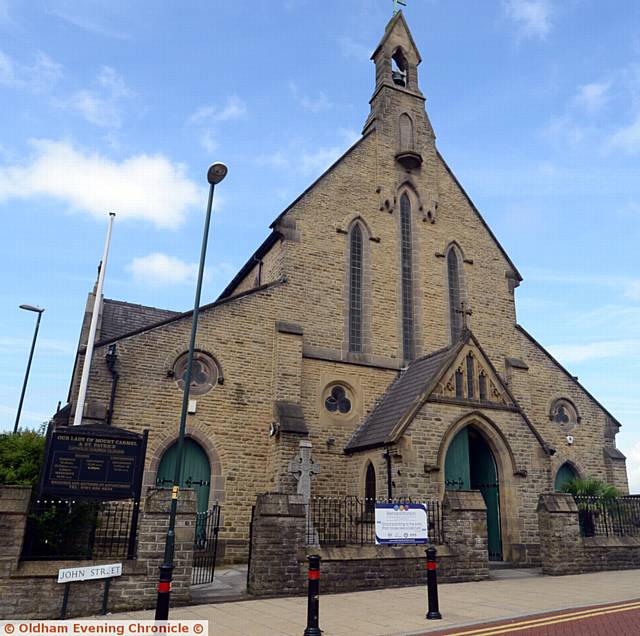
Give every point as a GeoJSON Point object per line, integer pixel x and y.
{"type": "Point", "coordinates": [304, 469]}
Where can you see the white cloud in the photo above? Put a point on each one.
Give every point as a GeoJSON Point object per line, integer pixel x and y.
{"type": "Point", "coordinates": [102, 104]}
{"type": "Point", "coordinates": [160, 269]}
{"type": "Point", "coordinates": [38, 77]}
{"type": "Point", "coordinates": [532, 17]}
{"type": "Point", "coordinates": [234, 108]}
{"type": "Point", "coordinates": [207, 119]}
{"type": "Point", "coordinates": [309, 104]}
{"type": "Point", "coordinates": [592, 97]}
{"type": "Point", "coordinates": [573, 354]}
{"type": "Point", "coordinates": [633, 290]}
{"type": "Point", "coordinates": [308, 162]}
{"type": "Point", "coordinates": [146, 187]}
{"type": "Point", "coordinates": [354, 50]}
{"type": "Point", "coordinates": [627, 138]}
{"type": "Point", "coordinates": [10, 345]}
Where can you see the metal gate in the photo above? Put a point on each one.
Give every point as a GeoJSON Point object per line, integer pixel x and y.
{"type": "Point", "coordinates": [205, 546]}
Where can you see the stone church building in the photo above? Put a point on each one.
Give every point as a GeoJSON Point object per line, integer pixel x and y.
{"type": "Point", "coordinates": [377, 321]}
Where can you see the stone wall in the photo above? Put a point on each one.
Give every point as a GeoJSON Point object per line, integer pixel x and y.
{"type": "Point", "coordinates": [565, 551]}
{"type": "Point", "coordinates": [279, 554]}
{"type": "Point", "coordinates": [29, 589]}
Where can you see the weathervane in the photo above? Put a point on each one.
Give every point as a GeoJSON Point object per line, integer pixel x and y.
{"type": "Point", "coordinates": [395, 5]}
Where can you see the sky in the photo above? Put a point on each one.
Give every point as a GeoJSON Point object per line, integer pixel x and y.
{"type": "Point", "coordinates": [109, 105]}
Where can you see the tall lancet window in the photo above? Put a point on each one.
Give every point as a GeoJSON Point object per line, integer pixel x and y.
{"type": "Point", "coordinates": [355, 289]}
{"type": "Point", "coordinates": [406, 259]}
{"type": "Point", "coordinates": [455, 308]}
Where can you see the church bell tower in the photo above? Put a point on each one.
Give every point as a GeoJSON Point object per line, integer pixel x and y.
{"type": "Point", "coordinates": [397, 104]}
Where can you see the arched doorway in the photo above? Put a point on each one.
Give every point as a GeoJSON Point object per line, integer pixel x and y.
{"type": "Point", "coordinates": [470, 465]}
{"type": "Point", "coordinates": [195, 473]}
{"type": "Point", "coordinates": [565, 474]}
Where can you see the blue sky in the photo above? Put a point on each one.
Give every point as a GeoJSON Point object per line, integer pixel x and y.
{"type": "Point", "coordinates": [112, 105]}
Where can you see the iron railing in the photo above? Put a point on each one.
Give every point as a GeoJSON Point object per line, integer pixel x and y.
{"type": "Point", "coordinates": [609, 516]}
{"type": "Point", "coordinates": [342, 521]}
{"type": "Point", "coordinates": [64, 529]}
{"type": "Point", "coordinates": [205, 546]}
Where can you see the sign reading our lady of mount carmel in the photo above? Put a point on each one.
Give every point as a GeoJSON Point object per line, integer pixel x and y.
{"type": "Point", "coordinates": [401, 523]}
{"type": "Point", "coordinates": [93, 461]}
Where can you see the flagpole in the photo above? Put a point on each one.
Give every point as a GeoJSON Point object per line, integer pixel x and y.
{"type": "Point", "coordinates": [86, 367]}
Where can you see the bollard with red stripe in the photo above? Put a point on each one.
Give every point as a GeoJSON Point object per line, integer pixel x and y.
{"type": "Point", "coordinates": [313, 600]}
{"type": "Point", "coordinates": [433, 612]}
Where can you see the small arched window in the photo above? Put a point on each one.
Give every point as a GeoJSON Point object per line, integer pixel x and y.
{"type": "Point", "coordinates": [370, 490]}
{"type": "Point", "coordinates": [406, 132]}
{"type": "Point", "coordinates": [406, 259]}
{"type": "Point", "coordinates": [455, 308]}
{"type": "Point", "coordinates": [355, 289]}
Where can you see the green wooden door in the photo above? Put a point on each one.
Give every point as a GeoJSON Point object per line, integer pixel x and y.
{"type": "Point", "coordinates": [456, 465]}
{"type": "Point", "coordinates": [196, 472]}
{"type": "Point", "coordinates": [564, 475]}
{"type": "Point", "coordinates": [484, 477]}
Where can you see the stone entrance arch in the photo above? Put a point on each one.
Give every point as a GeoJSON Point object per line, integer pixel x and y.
{"type": "Point", "coordinates": [501, 500]}
{"type": "Point", "coordinates": [216, 480]}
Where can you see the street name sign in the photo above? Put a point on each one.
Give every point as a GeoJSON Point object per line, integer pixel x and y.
{"type": "Point", "coordinates": [68, 575]}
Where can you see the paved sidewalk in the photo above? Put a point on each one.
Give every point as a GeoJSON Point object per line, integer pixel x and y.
{"type": "Point", "coordinates": [401, 611]}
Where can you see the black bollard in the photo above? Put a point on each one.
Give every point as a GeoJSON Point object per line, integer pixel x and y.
{"type": "Point", "coordinates": [313, 600]}
{"type": "Point", "coordinates": [433, 612]}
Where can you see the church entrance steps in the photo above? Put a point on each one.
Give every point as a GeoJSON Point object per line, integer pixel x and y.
{"type": "Point", "coordinates": [498, 574]}
{"type": "Point", "coordinates": [229, 584]}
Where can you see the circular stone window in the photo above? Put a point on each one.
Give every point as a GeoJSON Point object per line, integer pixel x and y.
{"type": "Point", "coordinates": [564, 414]}
{"type": "Point", "coordinates": [338, 400]}
{"type": "Point", "coordinates": [204, 372]}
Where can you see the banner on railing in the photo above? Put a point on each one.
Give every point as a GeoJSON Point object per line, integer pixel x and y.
{"type": "Point", "coordinates": [401, 523]}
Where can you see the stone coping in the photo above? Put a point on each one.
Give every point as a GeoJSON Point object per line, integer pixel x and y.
{"type": "Point", "coordinates": [369, 552]}
{"type": "Point", "coordinates": [47, 569]}
{"type": "Point", "coordinates": [611, 542]}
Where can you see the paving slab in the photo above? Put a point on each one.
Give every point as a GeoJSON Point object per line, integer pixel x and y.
{"type": "Point", "coordinates": [401, 611]}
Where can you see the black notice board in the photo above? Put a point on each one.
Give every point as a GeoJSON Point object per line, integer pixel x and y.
{"type": "Point", "coordinates": [93, 462]}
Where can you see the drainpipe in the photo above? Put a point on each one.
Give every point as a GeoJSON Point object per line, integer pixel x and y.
{"type": "Point", "coordinates": [111, 359]}
{"type": "Point", "coordinates": [387, 457]}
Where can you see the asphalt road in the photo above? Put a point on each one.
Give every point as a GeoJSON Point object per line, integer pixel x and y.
{"type": "Point", "coordinates": [621, 619]}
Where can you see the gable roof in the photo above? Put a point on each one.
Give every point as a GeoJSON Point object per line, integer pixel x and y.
{"type": "Point", "coordinates": [185, 314]}
{"type": "Point", "coordinates": [388, 420]}
{"type": "Point", "coordinates": [573, 378]}
{"type": "Point", "coordinates": [398, 17]}
{"type": "Point", "coordinates": [119, 317]}
{"type": "Point", "coordinates": [404, 394]}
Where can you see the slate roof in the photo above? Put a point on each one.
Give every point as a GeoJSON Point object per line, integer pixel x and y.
{"type": "Point", "coordinates": [403, 394]}
{"type": "Point", "coordinates": [119, 317]}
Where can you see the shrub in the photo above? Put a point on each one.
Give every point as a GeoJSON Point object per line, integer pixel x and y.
{"type": "Point", "coordinates": [21, 457]}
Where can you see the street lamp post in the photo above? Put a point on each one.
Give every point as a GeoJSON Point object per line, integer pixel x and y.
{"type": "Point", "coordinates": [216, 173]}
{"type": "Point", "coordinates": [26, 375]}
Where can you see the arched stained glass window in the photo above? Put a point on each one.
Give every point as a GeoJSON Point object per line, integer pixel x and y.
{"type": "Point", "coordinates": [453, 272]}
{"type": "Point", "coordinates": [370, 490]}
{"type": "Point", "coordinates": [406, 259]}
{"type": "Point", "coordinates": [355, 289]}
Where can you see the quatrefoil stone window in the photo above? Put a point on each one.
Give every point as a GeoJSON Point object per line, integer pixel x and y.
{"type": "Point", "coordinates": [338, 401]}
{"type": "Point", "coordinates": [204, 373]}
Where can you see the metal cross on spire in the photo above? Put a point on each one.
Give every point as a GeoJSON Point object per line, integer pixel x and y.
{"type": "Point", "coordinates": [396, 3]}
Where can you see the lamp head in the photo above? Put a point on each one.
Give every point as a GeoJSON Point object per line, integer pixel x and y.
{"type": "Point", "coordinates": [32, 308]}
{"type": "Point", "coordinates": [216, 173]}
